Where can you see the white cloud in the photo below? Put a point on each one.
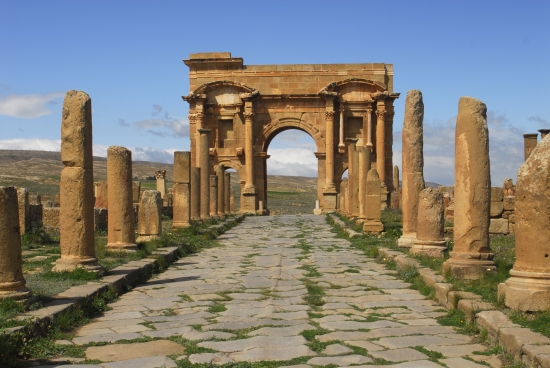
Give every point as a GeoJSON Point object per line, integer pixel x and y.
{"type": "Point", "coordinates": [292, 162]}
{"type": "Point", "coordinates": [163, 126]}
{"type": "Point", "coordinates": [505, 150]}
{"type": "Point", "coordinates": [36, 144]}
{"type": "Point", "coordinates": [29, 106]}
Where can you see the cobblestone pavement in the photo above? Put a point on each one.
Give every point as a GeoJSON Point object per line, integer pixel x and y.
{"type": "Point", "coordinates": [256, 298]}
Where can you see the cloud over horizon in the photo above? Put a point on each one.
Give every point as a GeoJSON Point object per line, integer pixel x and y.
{"type": "Point", "coordinates": [161, 124]}
{"type": "Point", "coordinates": [29, 106]}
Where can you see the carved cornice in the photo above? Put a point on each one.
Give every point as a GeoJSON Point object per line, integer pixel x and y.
{"type": "Point", "coordinates": [194, 97]}
{"type": "Point", "coordinates": [199, 116]}
{"type": "Point", "coordinates": [249, 96]}
{"type": "Point", "coordinates": [380, 95]}
{"type": "Point", "coordinates": [192, 118]}
{"type": "Point", "coordinates": [160, 174]}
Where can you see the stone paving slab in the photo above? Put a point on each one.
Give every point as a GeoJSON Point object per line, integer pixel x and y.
{"type": "Point", "coordinates": [247, 301]}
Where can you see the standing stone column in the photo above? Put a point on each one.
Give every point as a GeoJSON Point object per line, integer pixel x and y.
{"type": "Point", "coordinates": [214, 196]}
{"type": "Point", "coordinates": [76, 213]}
{"type": "Point", "coordinates": [204, 164]}
{"type": "Point", "coordinates": [196, 193]}
{"type": "Point", "coordinates": [528, 288]}
{"type": "Point", "coordinates": [380, 141]}
{"type": "Point", "coordinates": [368, 116]}
{"type": "Point", "coordinates": [221, 190]}
{"type": "Point", "coordinates": [373, 223]}
{"type": "Point", "coordinates": [136, 191]}
{"type": "Point", "coordinates": [227, 194]}
{"type": "Point", "coordinates": [23, 204]}
{"type": "Point", "coordinates": [543, 133]}
{"type": "Point", "coordinates": [430, 238]}
{"type": "Point", "coordinates": [529, 143]}
{"type": "Point", "coordinates": [329, 191]}
{"type": "Point", "coordinates": [150, 216]}
{"type": "Point", "coordinates": [413, 165]}
{"type": "Point", "coordinates": [353, 182]}
{"type": "Point", "coordinates": [364, 167]}
{"type": "Point", "coordinates": [161, 182]}
{"type": "Point", "coordinates": [182, 190]}
{"type": "Point", "coordinates": [121, 232]}
{"type": "Point", "coordinates": [395, 193]}
{"type": "Point", "coordinates": [12, 282]}
{"type": "Point", "coordinates": [471, 257]}
{"type": "Point", "coordinates": [248, 194]}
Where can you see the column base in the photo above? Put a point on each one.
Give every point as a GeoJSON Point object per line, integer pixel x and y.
{"type": "Point", "coordinates": [329, 197]}
{"type": "Point", "coordinates": [248, 200]}
{"type": "Point", "coordinates": [317, 211]}
{"type": "Point", "coordinates": [373, 226]}
{"type": "Point", "coordinates": [70, 264]}
{"type": "Point", "coordinates": [469, 265]}
{"type": "Point", "coordinates": [406, 240]}
{"type": "Point", "coordinates": [122, 247]}
{"type": "Point", "coordinates": [180, 225]}
{"type": "Point", "coordinates": [526, 291]}
{"type": "Point", "coordinates": [433, 248]}
{"type": "Point", "coordinates": [146, 238]}
{"type": "Point", "coordinates": [23, 294]}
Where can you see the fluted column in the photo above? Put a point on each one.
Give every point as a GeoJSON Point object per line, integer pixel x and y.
{"type": "Point", "coordinates": [204, 164]}
{"type": "Point", "coordinates": [341, 145]}
{"type": "Point", "coordinates": [329, 162]}
{"type": "Point", "coordinates": [380, 142]}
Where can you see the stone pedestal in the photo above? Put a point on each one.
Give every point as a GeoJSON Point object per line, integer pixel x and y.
{"type": "Point", "coordinates": [373, 223]}
{"type": "Point", "coordinates": [248, 200]}
{"type": "Point", "coordinates": [196, 193]}
{"type": "Point", "coordinates": [471, 257]}
{"type": "Point", "coordinates": [528, 288]}
{"type": "Point", "coordinates": [317, 210]}
{"type": "Point", "coordinates": [121, 231]}
{"type": "Point", "coordinates": [182, 192]}
{"type": "Point", "coordinates": [214, 196]}
{"type": "Point", "coordinates": [413, 165]}
{"type": "Point", "coordinates": [76, 213]}
{"type": "Point", "coordinates": [430, 237]}
{"type": "Point", "coordinates": [150, 216]}
{"type": "Point", "coordinates": [12, 282]}
{"type": "Point", "coordinates": [330, 201]}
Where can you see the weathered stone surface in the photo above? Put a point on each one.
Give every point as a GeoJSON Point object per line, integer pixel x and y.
{"type": "Point", "coordinates": [149, 362]}
{"type": "Point", "coordinates": [471, 256]}
{"type": "Point", "coordinates": [513, 339]}
{"type": "Point", "coordinates": [12, 282]}
{"type": "Point", "coordinates": [341, 361]}
{"type": "Point", "coordinates": [413, 164]}
{"type": "Point", "coordinates": [204, 164]}
{"type": "Point", "coordinates": [336, 349]}
{"type": "Point", "coordinates": [213, 185]}
{"type": "Point", "coordinates": [509, 203]}
{"type": "Point", "coordinates": [460, 363]}
{"type": "Point", "coordinates": [272, 353]}
{"type": "Point", "coordinates": [528, 288]}
{"type": "Point", "coordinates": [210, 358]}
{"type": "Point", "coordinates": [150, 215]}
{"type": "Point", "coordinates": [196, 193]}
{"type": "Point", "coordinates": [76, 130]}
{"type": "Point", "coordinates": [498, 226]}
{"type": "Point", "coordinates": [430, 236]}
{"type": "Point", "coordinates": [373, 215]}
{"type": "Point", "coordinates": [121, 234]}
{"type": "Point", "coordinates": [496, 209]}
{"type": "Point", "coordinates": [399, 355]}
{"type": "Point", "coordinates": [118, 352]}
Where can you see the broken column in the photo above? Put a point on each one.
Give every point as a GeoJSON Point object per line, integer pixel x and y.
{"type": "Point", "coordinates": [220, 170]}
{"type": "Point", "coordinates": [23, 204]}
{"type": "Point", "coordinates": [528, 288]}
{"type": "Point", "coordinates": [76, 214]}
{"type": "Point", "coordinates": [227, 194]}
{"type": "Point", "coordinates": [471, 257]}
{"type": "Point", "coordinates": [196, 193]}
{"type": "Point", "coordinates": [12, 282]}
{"type": "Point", "coordinates": [529, 143]}
{"type": "Point", "coordinates": [395, 193]}
{"type": "Point", "coordinates": [121, 235]}
{"type": "Point", "coordinates": [136, 191]}
{"type": "Point", "coordinates": [182, 190]}
{"type": "Point", "coordinates": [543, 133]}
{"type": "Point", "coordinates": [204, 164]}
{"type": "Point", "coordinates": [161, 182]}
{"type": "Point", "coordinates": [150, 216]}
{"type": "Point", "coordinates": [412, 165]}
{"type": "Point", "coordinates": [213, 196]}
{"type": "Point", "coordinates": [430, 239]}
{"type": "Point", "coordinates": [373, 216]}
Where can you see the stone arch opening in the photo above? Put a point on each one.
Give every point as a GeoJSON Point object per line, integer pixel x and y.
{"type": "Point", "coordinates": [238, 173]}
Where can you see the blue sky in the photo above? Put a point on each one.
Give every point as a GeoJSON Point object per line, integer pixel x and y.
{"type": "Point", "coordinates": [127, 55]}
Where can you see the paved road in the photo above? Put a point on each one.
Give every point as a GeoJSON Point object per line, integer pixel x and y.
{"type": "Point", "coordinates": [253, 299]}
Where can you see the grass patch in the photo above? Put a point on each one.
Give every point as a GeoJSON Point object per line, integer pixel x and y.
{"type": "Point", "coordinates": [315, 293]}
{"type": "Point", "coordinates": [217, 308]}
{"type": "Point", "coordinates": [457, 319]}
{"type": "Point", "coordinates": [433, 355]}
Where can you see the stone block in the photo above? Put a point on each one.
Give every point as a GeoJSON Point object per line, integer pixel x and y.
{"type": "Point", "coordinates": [493, 321]}
{"type": "Point", "coordinates": [496, 194]}
{"type": "Point", "coordinates": [509, 203]}
{"type": "Point", "coordinates": [454, 297]}
{"type": "Point", "coordinates": [512, 218]}
{"type": "Point", "coordinates": [441, 292]}
{"type": "Point", "coordinates": [471, 306]}
{"type": "Point", "coordinates": [514, 338]}
{"type": "Point", "coordinates": [404, 263]}
{"type": "Point", "coordinates": [429, 277]}
{"type": "Point", "coordinates": [50, 218]}
{"type": "Point", "coordinates": [496, 209]}
{"type": "Point", "coordinates": [498, 226]}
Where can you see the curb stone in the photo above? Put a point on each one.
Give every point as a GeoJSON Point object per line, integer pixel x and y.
{"type": "Point", "coordinates": [531, 347]}
{"type": "Point", "coordinates": [120, 278]}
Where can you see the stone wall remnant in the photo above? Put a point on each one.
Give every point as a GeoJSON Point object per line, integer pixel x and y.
{"type": "Point", "coordinates": [121, 231]}
{"type": "Point", "coordinates": [413, 165]}
{"type": "Point", "coordinates": [373, 223]}
{"type": "Point", "coordinates": [182, 190]}
{"type": "Point", "coordinates": [76, 214]}
{"type": "Point", "coordinates": [471, 257]}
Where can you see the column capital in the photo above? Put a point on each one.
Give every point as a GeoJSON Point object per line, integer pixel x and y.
{"type": "Point", "coordinates": [328, 96]}
{"type": "Point", "coordinates": [381, 113]}
{"type": "Point", "coordinates": [161, 174]}
{"type": "Point", "coordinates": [351, 140]}
{"type": "Point", "coordinates": [248, 115]}
{"type": "Point", "coordinates": [204, 131]}
{"type": "Point", "coordinates": [329, 115]}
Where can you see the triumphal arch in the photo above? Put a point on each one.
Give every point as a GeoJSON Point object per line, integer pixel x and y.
{"type": "Point", "coordinates": [246, 106]}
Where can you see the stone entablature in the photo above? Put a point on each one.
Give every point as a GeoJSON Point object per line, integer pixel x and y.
{"type": "Point", "coordinates": [246, 106]}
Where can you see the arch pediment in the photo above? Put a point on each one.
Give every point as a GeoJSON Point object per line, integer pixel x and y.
{"type": "Point", "coordinates": [355, 89]}
{"type": "Point", "coordinates": [224, 92]}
